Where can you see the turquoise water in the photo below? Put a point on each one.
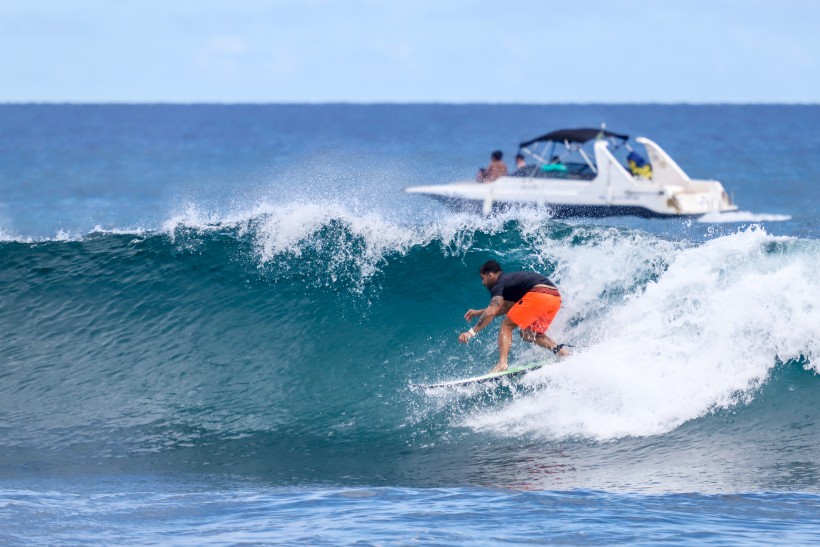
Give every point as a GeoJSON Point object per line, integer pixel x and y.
{"type": "Point", "coordinates": [213, 317]}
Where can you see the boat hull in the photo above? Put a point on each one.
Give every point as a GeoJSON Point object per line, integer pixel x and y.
{"type": "Point", "coordinates": [558, 210]}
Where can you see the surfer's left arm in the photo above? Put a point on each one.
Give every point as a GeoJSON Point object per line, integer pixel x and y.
{"type": "Point", "coordinates": [484, 319]}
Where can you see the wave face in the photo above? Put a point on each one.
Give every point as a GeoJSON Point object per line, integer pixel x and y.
{"type": "Point", "coordinates": [284, 343]}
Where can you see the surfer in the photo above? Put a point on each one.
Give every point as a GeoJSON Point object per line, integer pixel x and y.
{"type": "Point", "coordinates": [528, 299]}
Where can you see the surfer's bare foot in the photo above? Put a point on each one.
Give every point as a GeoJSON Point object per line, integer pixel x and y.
{"type": "Point", "coordinates": [499, 367]}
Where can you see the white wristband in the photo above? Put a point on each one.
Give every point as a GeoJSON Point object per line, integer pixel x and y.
{"type": "Point", "coordinates": [472, 332]}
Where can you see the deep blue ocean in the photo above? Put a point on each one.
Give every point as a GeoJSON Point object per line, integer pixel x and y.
{"type": "Point", "coordinates": [212, 319]}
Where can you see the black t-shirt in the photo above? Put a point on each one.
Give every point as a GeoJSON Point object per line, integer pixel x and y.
{"type": "Point", "coordinates": [514, 285]}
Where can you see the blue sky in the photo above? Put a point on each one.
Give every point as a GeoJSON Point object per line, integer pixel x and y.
{"type": "Point", "coordinates": [453, 51]}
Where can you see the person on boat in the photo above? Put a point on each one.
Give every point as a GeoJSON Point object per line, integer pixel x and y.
{"type": "Point", "coordinates": [530, 302]}
{"type": "Point", "coordinates": [495, 170]}
{"type": "Point", "coordinates": [554, 166]}
{"type": "Point", "coordinates": [638, 166]}
{"type": "Point", "coordinates": [521, 167]}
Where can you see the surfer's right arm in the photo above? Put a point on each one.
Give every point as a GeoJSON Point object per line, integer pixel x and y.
{"type": "Point", "coordinates": [473, 313]}
{"type": "Point", "coordinates": [485, 318]}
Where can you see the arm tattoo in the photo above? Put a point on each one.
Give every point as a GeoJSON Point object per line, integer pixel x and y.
{"type": "Point", "coordinates": [495, 304]}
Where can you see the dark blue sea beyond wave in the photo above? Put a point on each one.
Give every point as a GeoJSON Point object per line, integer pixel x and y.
{"type": "Point", "coordinates": [213, 319]}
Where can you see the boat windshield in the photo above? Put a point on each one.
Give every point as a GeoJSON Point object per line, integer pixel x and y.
{"type": "Point", "coordinates": [561, 154]}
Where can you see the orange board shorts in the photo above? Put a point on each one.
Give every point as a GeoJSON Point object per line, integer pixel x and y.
{"type": "Point", "coordinates": [536, 310]}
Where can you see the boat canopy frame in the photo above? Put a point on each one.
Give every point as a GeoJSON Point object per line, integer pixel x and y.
{"type": "Point", "coordinates": [573, 141]}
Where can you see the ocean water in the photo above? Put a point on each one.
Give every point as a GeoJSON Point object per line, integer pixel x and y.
{"type": "Point", "coordinates": [213, 318]}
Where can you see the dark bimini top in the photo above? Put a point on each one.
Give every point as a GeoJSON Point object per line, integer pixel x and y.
{"type": "Point", "coordinates": [514, 285]}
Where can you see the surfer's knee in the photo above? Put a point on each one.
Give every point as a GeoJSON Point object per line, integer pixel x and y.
{"type": "Point", "coordinates": [528, 335]}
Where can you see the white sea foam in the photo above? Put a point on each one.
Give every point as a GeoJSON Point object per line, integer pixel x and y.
{"type": "Point", "coordinates": [62, 235]}
{"type": "Point", "coordinates": [136, 231]}
{"type": "Point", "coordinates": [742, 216]}
{"type": "Point", "coordinates": [65, 235]}
{"type": "Point", "coordinates": [604, 264]}
{"type": "Point", "coordinates": [7, 236]}
{"type": "Point", "coordinates": [702, 337]}
{"type": "Point", "coordinates": [192, 216]}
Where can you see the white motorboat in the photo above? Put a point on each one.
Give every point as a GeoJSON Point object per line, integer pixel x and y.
{"type": "Point", "coordinates": [571, 183]}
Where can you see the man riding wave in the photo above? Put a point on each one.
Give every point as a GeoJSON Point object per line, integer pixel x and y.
{"type": "Point", "coordinates": [528, 299]}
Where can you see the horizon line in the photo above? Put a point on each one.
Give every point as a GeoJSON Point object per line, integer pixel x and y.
{"type": "Point", "coordinates": [407, 103]}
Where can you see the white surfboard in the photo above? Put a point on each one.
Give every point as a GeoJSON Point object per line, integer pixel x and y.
{"type": "Point", "coordinates": [511, 372]}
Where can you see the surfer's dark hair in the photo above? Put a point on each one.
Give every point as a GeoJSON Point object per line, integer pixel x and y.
{"type": "Point", "coordinates": [497, 155]}
{"type": "Point", "coordinates": [491, 266]}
